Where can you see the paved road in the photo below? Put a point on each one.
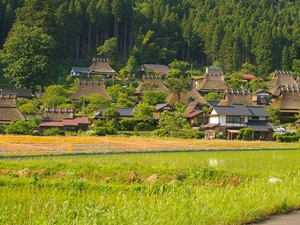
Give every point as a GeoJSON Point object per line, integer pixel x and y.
{"type": "Point", "coordinates": [292, 218]}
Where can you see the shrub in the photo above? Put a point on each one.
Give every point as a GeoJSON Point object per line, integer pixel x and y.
{"type": "Point", "coordinates": [2, 129]}
{"type": "Point", "coordinates": [287, 138]}
{"type": "Point", "coordinates": [53, 132]}
{"type": "Point", "coordinates": [127, 124]}
{"type": "Point", "coordinates": [220, 136]}
{"type": "Point", "coordinates": [161, 133]}
{"type": "Point", "coordinates": [21, 127]}
{"type": "Point", "coordinates": [102, 131]}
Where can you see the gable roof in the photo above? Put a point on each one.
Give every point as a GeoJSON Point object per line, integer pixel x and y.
{"type": "Point", "coordinates": [233, 110]}
{"type": "Point", "coordinates": [213, 70]}
{"type": "Point", "coordinates": [259, 125]}
{"type": "Point", "coordinates": [9, 110]}
{"type": "Point", "coordinates": [162, 69]}
{"type": "Point", "coordinates": [186, 98]}
{"type": "Point", "coordinates": [163, 106]}
{"type": "Point", "coordinates": [76, 121]}
{"type": "Point", "coordinates": [20, 92]}
{"type": "Point", "coordinates": [212, 81]}
{"type": "Point", "coordinates": [281, 78]}
{"type": "Point", "coordinates": [237, 97]}
{"type": "Point", "coordinates": [89, 87]}
{"type": "Point", "coordinates": [101, 66]}
{"type": "Point", "coordinates": [152, 83]}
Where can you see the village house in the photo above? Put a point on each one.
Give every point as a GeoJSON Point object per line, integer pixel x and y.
{"type": "Point", "coordinates": [19, 92]}
{"type": "Point", "coordinates": [228, 120]}
{"type": "Point", "coordinates": [63, 119]}
{"type": "Point", "coordinates": [196, 115]}
{"type": "Point", "coordinates": [100, 66]}
{"type": "Point", "coordinates": [151, 83]}
{"type": "Point", "coordinates": [213, 80]}
{"type": "Point", "coordinates": [154, 69]}
{"type": "Point", "coordinates": [9, 110]}
{"type": "Point", "coordinates": [88, 87]}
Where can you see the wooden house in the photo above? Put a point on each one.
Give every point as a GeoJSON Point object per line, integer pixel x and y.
{"type": "Point", "coordinates": [19, 92]}
{"type": "Point", "coordinates": [195, 114]}
{"type": "Point", "coordinates": [63, 119]}
{"type": "Point", "coordinates": [228, 120]}
{"type": "Point", "coordinates": [9, 110]}
{"type": "Point", "coordinates": [288, 102]}
{"type": "Point", "coordinates": [89, 87]}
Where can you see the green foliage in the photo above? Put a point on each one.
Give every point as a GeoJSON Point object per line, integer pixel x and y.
{"type": "Point", "coordinates": [103, 131]}
{"type": "Point", "coordinates": [2, 129]}
{"type": "Point", "coordinates": [53, 132]}
{"type": "Point", "coordinates": [95, 102]}
{"type": "Point", "coordinates": [274, 115]}
{"type": "Point", "coordinates": [22, 127]}
{"type": "Point", "coordinates": [127, 124]}
{"type": "Point", "coordinates": [287, 137]}
{"type": "Point", "coordinates": [111, 113]}
{"type": "Point", "coordinates": [172, 121]}
{"type": "Point", "coordinates": [154, 97]}
{"type": "Point", "coordinates": [174, 73]}
{"type": "Point", "coordinates": [109, 50]}
{"type": "Point", "coordinates": [213, 96]}
{"type": "Point", "coordinates": [178, 85]}
{"type": "Point", "coordinates": [245, 133]}
{"type": "Point", "coordinates": [144, 112]}
{"type": "Point", "coordinates": [161, 133]}
{"type": "Point", "coordinates": [55, 96]}
{"type": "Point", "coordinates": [182, 66]}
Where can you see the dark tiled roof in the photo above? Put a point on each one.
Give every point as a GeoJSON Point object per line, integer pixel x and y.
{"type": "Point", "coordinates": [258, 111]}
{"type": "Point", "coordinates": [89, 87]}
{"type": "Point", "coordinates": [124, 113]}
{"type": "Point", "coordinates": [162, 106]}
{"type": "Point", "coordinates": [259, 125]}
{"type": "Point", "coordinates": [20, 92]}
{"type": "Point", "coordinates": [233, 110]}
{"type": "Point", "coordinates": [156, 68]}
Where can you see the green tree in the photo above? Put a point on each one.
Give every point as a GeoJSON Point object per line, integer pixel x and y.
{"type": "Point", "coordinates": [172, 121]}
{"type": "Point", "coordinates": [144, 112]}
{"type": "Point", "coordinates": [213, 96]}
{"type": "Point", "coordinates": [56, 96]}
{"type": "Point", "coordinates": [28, 56]}
{"type": "Point", "coordinates": [95, 102]}
{"type": "Point", "coordinates": [245, 133]}
{"type": "Point", "coordinates": [178, 85]}
{"type": "Point", "coordinates": [182, 66]}
{"type": "Point", "coordinates": [154, 97]}
{"type": "Point", "coordinates": [109, 51]}
{"type": "Point", "coordinates": [274, 115]}
{"type": "Point", "coordinates": [111, 113]}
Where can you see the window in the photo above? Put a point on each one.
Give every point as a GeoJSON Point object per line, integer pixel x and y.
{"type": "Point", "coordinates": [234, 119]}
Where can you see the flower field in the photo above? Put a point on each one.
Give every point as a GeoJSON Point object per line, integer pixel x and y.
{"type": "Point", "coordinates": [12, 144]}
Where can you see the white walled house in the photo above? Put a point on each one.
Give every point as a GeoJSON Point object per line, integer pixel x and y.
{"type": "Point", "coordinates": [227, 120]}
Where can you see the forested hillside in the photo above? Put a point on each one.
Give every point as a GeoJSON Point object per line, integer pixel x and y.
{"type": "Point", "coordinates": [265, 33]}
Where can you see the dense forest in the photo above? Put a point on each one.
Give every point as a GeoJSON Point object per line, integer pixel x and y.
{"type": "Point", "coordinates": [264, 33]}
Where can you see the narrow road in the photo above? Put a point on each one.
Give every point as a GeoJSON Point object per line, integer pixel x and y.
{"type": "Point", "coordinates": [292, 218]}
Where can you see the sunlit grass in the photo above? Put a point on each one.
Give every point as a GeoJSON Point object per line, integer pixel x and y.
{"type": "Point", "coordinates": [170, 188]}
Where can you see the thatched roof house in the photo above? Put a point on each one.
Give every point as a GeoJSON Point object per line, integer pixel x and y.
{"type": "Point", "coordinates": [288, 101]}
{"type": "Point", "coordinates": [281, 78]}
{"type": "Point", "coordinates": [212, 81]}
{"type": "Point", "coordinates": [57, 114]}
{"type": "Point", "coordinates": [101, 66]}
{"type": "Point", "coordinates": [9, 110]}
{"type": "Point", "coordinates": [231, 97]}
{"type": "Point", "coordinates": [89, 87]}
{"type": "Point", "coordinates": [185, 98]}
{"type": "Point", "coordinates": [153, 83]}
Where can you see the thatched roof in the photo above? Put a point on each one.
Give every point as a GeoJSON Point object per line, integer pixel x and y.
{"type": "Point", "coordinates": [152, 83]}
{"type": "Point", "coordinates": [57, 114]}
{"type": "Point", "coordinates": [9, 110]}
{"type": "Point", "coordinates": [101, 66]}
{"type": "Point", "coordinates": [212, 81]}
{"type": "Point", "coordinates": [289, 99]}
{"type": "Point", "coordinates": [237, 97]}
{"type": "Point", "coordinates": [89, 87]}
{"type": "Point", "coordinates": [281, 78]}
{"type": "Point", "coordinates": [186, 98]}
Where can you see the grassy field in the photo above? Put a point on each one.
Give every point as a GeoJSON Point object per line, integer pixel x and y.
{"type": "Point", "coordinates": [159, 188]}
